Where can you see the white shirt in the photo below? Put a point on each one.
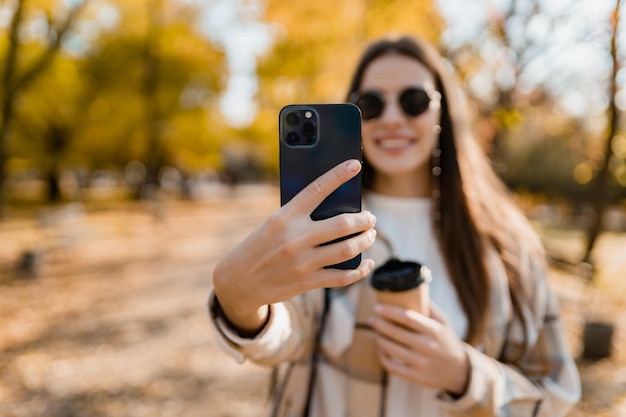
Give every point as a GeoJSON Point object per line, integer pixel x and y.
{"type": "Point", "coordinates": [407, 223]}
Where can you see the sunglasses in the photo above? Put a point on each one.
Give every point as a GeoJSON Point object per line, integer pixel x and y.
{"type": "Point", "coordinates": [413, 101]}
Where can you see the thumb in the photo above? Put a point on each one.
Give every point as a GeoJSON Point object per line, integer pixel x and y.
{"type": "Point", "coordinates": [313, 194]}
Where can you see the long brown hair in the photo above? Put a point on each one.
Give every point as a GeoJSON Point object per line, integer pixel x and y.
{"type": "Point", "coordinates": [476, 210]}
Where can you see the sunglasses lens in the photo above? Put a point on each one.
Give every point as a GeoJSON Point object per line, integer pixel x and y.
{"type": "Point", "coordinates": [371, 106]}
{"type": "Point", "coordinates": [414, 101]}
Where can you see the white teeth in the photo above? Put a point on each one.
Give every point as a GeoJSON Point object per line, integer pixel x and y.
{"type": "Point", "coordinates": [394, 143]}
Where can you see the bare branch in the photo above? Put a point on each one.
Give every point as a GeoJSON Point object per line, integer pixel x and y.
{"type": "Point", "coordinates": [56, 39]}
{"type": "Point", "coordinates": [10, 59]}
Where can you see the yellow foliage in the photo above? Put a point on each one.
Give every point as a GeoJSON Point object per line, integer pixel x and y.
{"type": "Point", "coordinates": [316, 48]}
{"type": "Point", "coordinates": [508, 119]}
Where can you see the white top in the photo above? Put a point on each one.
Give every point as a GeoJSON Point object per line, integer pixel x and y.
{"type": "Point", "coordinates": [407, 223]}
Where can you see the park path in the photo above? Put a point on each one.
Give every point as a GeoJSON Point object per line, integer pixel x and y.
{"type": "Point", "coordinates": [115, 325]}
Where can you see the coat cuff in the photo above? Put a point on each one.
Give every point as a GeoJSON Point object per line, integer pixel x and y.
{"type": "Point", "coordinates": [478, 385]}
{"type": "Point", "coordinates": [240, 347]}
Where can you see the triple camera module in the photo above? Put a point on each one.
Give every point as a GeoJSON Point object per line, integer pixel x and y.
{"type": "Point", "coordinates": [300, 127]}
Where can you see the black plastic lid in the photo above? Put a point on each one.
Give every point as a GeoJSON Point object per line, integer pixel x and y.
{"type": "Point", "coordinates": [397, 275]}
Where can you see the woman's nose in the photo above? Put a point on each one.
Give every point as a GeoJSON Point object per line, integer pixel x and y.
{"type": "Point", "coordinates": [392, 113]}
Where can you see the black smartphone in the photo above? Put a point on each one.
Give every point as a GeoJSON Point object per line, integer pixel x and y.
{"type": "Point", "coordinates": [313, 139]}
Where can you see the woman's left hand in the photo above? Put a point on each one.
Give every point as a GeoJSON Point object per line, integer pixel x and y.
{"type": "Point", "coordinates": [423, 350]}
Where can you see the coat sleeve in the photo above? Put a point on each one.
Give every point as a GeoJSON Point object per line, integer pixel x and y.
{"type": "Point", "coordinates": [541, 382]}
{"type": "Point", "coordinates": [283, 338]}
{"type": "Point", "coordinates": [499, 389]}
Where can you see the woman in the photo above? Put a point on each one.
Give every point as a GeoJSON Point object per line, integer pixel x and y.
{"type": "Point", "coordinates": [492, 344]}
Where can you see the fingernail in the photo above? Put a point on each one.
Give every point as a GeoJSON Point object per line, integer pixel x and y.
{"type": "Point", "coordinates": [354, 166]}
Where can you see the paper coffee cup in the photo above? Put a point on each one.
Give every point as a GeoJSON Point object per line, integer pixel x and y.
{"type": "Point", "coordinates": [403, 283]}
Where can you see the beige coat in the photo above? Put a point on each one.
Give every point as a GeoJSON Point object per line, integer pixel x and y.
{"type": "Point", "coordinates": [351, 375]}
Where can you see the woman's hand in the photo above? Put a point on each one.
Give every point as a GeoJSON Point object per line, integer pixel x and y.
{"type": "Point", "coordinates": [282, 257]}
{"type": "Point", "coordinates": [423, 350]}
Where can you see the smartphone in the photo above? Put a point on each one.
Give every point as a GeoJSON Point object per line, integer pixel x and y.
{"type": "Point", "coordinates": [313, 139]}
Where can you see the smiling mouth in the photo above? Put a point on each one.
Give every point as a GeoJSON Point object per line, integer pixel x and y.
{"type": "Point", "coordinates": [394, 143]}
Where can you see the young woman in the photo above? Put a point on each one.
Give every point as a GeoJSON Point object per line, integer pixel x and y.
{"type": "Point", "coordinates": [492, 344]}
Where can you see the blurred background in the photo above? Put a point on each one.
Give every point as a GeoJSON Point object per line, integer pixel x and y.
{"type": "Point", "coordinates": [138, 144]}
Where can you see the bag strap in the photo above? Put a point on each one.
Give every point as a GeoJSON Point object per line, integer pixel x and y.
{"type": "Point", "coordinates": [316, 353]}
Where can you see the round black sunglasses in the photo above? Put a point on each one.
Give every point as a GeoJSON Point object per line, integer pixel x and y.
{"type": "Point", "coordinates": [413, 101]}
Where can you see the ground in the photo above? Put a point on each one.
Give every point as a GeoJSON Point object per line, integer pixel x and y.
{"type": "Point", "coordinates": [107, 316]}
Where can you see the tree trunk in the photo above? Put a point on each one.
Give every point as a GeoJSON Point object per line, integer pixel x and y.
{"type": "Point", "coordinates": [155, 155]}
{"type": "Point", "coordinates": [54, 187]}
{"type": "Point", "coordinates": [600, 189]}
{"type": "Point", "coordinates": [7, 101]}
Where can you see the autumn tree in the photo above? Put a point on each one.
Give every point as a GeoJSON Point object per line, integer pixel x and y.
{"type": "Point", "coordinates": [153, 87]}
{"type": "Point", "coordinates": [521, 64]}
{"type": "Point", "coordinates": [135, 81]}
{"type": "Point", "coordinates": [539, 108]}
{"type": "Point", "coordinates": [26, 58]}
{"type": "Point", "coordinates": [45, 124]}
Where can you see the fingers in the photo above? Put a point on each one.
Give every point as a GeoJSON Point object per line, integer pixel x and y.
{"type": "Point", "coordinates": [415, 320]}
{"type": "Point", "coordinates": [343, 250]}
{"type": "Point", "coordinates": [342, 225]}
{"type": "Point", "coordinates": [401, 334]}
{"type": "Point", "coordinates": [313, 194]}
{"type": "Point", "coordinates": [332, 278]}
{"type": "Point", "coordinates": [402, 355]}
{"type": "Point", "coordinates": [404, 363]}
{"type": "Point", "coordinates": [409, 319]}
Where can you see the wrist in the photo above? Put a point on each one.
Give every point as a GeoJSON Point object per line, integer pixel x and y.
{"type": "Point", "coordinates": [244, 326]}
{"type": "Point", "coordinates": [459, 385]}
{"type": "Point", "coordinates": [232, 297]}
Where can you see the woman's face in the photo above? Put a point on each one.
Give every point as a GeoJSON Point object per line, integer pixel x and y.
{"type": "Point", "coordinates": [397, 145]}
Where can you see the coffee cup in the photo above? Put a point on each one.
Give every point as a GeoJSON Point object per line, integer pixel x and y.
{"type": "Point", "coordinates": [403, 283]}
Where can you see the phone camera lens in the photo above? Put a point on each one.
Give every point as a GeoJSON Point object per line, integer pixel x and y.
{"type": "Point", "coordinates": [292, 118]}
{"type": "Point", "coordinates": [308, 128]}
{"type": "Point", "coordinates": [292, 138]}
{"type": "Point", "coordinates": [309, 140]}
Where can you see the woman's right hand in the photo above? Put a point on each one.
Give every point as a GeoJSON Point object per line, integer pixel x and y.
{"type": "Point", "coordinates": [283, 258]}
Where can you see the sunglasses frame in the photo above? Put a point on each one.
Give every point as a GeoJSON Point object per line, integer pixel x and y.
{"type": "Point", "coordinates": [432, 95]}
